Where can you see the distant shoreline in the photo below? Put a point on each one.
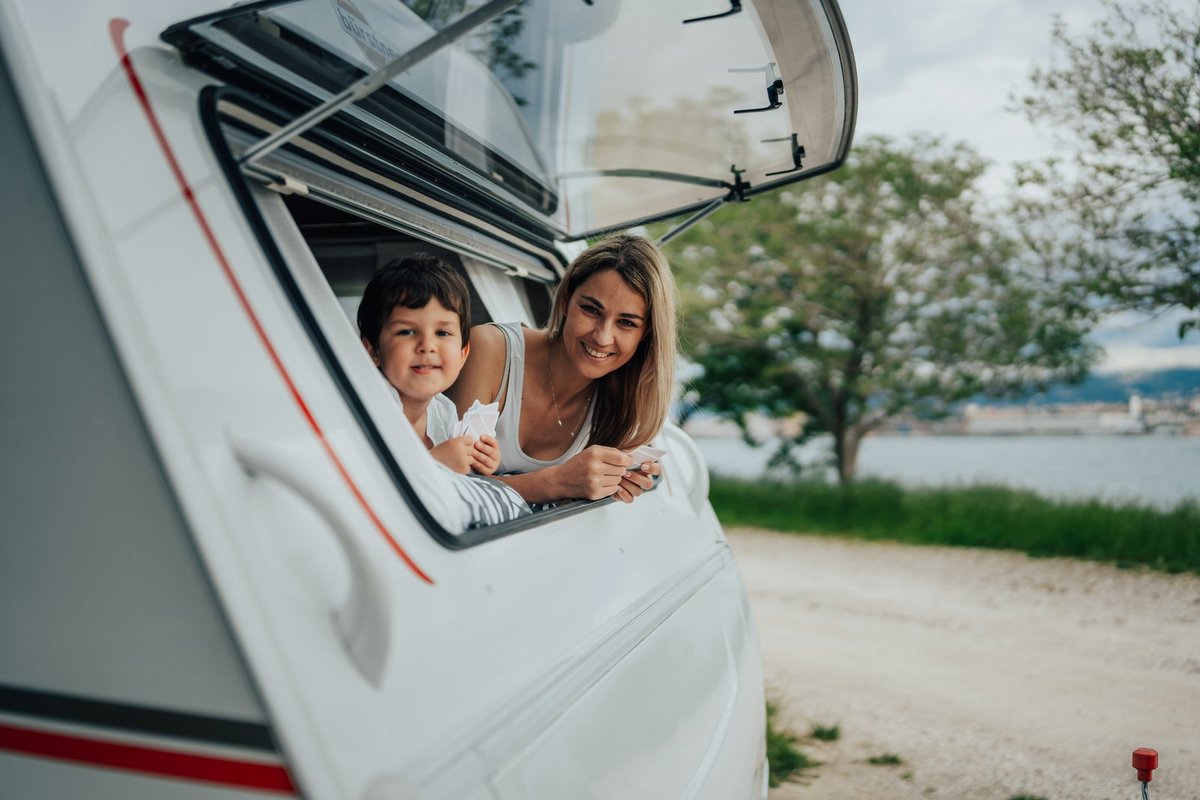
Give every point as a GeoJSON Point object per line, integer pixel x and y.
{"type": "Point", "coordinates": [1156, 470]}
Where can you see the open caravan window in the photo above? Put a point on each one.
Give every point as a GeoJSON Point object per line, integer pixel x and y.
{"type": "Point", "coordinates": [327, 222]}
{"type": "Point", "coordinates": [488, 130]}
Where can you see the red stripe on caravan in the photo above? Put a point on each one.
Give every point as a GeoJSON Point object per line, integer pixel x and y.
{"type": "Point", "coordinates": [149, 760]}
{"type": "Point", "coordinates": [116, 28]}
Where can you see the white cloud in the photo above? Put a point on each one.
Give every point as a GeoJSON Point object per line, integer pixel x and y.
{"type": "Point", "coordinates": [1136, 327]}
{"type": "Point", "coordinates": [948, 68]}
{"type": "Point", "coordinates": [1141, 358]}
{"type": "Point", "coordinates": [1135, 342]}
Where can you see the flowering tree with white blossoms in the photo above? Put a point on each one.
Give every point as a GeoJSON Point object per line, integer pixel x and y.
{"type": "Point", "coordinates": [880, 289]}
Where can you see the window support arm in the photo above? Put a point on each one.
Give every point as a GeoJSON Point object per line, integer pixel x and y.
{"type": "Point", "coordinates": [692, 220]}
{"type": "Point", "coordinates": [367, 85]}
{"type": "Point", "coordinates": [737, 191]}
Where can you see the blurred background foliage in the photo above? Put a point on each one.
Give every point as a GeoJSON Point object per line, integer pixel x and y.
{"type": "Point", "coordinates": [894, 286]}
{"type": "Point", "coordinates": [882, 288]}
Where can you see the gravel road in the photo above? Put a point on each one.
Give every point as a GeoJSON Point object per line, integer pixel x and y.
{"type": "Point", "coordinates": [990, 674]}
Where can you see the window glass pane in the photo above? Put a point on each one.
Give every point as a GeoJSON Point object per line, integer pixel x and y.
{"type": "Point", "coordinates": [585, 115]}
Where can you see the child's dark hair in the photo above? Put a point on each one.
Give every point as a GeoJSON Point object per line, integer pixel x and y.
{"type": "Point", "coordinates": [412, 281]}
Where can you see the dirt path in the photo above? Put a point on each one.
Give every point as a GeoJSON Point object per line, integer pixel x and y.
{"type": "Point", "coordinates": [990, 674]}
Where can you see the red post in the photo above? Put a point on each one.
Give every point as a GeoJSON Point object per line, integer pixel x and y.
{"type": "Point", "coordinates": [1145, 761]}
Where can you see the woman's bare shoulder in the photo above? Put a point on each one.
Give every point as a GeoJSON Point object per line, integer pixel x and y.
{"type": "Point", "coordinates": [483, 370]}
{"type": "Point", "coordinates": [534, 337]}
{"type": "Point", "coordinates": [488, 348]}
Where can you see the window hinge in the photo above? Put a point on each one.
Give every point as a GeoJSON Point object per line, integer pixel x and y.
{"type": "Point", "coordinates": [285, 185]}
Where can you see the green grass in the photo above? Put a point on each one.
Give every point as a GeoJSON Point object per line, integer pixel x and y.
{"type": "Point", "coordinates": [976, 516]}
{"type": "Point", "coordinates": [782, 754]}
{"type": "Point", "coordinates": [886, 760]}
{"type": "Point", "coordinates": [826, 733]}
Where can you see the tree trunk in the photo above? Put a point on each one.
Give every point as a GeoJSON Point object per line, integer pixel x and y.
{"type": "Point", "coordinates": [845, 449]}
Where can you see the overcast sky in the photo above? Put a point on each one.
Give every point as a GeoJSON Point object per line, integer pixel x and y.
{"type": "Point", "coordinates": [950, 67]}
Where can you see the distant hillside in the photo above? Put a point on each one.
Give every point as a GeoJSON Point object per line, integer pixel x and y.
{"type": "Point", "coordinates": [1114, 388]}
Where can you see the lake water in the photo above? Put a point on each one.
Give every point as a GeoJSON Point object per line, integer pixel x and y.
{"type": "Point", "coordinates": [1155, 470]}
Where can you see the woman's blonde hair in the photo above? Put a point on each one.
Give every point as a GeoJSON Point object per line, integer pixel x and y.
{"type": "Point", "coordinates": [631, 403]}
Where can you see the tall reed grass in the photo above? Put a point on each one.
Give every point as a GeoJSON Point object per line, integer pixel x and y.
{"type": "Point", "coordinates": [976, 516]}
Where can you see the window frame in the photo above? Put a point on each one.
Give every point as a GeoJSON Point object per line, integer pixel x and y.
{"type": "Point", "coordinates": [212, 121]}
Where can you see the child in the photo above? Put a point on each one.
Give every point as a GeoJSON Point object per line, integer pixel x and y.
{"type": "Point", "coordinates": [415, 321]}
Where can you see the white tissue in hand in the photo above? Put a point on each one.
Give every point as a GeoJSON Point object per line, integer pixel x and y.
{"type": "Point", "coordinates": [480, 420]}
{"type": "Point", "coordinates": [645, 454]}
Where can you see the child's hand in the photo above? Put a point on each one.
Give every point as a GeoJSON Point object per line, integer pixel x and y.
{"type": "Point", "coordinates": [457, 453]}
{"type": "Point", "coordinates": [486, 458]}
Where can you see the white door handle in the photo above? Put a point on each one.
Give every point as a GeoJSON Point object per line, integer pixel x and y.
{"type": "Point", "coordinates": [362, 621]}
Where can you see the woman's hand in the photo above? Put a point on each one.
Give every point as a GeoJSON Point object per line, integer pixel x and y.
{"type": "Point", "coordinates": [486, 458]}
{"type": "Point", "coordinates": [635, 482]}
{"type": "Point", "coordinates": [458, 453]}
{"type": "Point", "coordinates": [594, 473]}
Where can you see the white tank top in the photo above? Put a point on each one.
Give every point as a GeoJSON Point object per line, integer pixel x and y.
{"type": "Point", "coordinates": [508, 427]}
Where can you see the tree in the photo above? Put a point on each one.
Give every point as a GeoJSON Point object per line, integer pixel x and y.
{"type": "Point", "coordinates": [1121, 217]}
{"type": "Point", "coordinates": [873, 291]}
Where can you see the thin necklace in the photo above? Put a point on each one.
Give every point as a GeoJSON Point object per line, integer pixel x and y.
{"type": "Point", "coordinates": [554, 397]}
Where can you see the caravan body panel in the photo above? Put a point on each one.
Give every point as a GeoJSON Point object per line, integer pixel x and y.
{"type": "Point", "coordinates": [224, 570]}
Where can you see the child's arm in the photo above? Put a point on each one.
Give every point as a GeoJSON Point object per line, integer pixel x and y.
{"type": "Point", "coordinates": [486, 458]}
{"type": "Point", "coordinates": [457, 453]}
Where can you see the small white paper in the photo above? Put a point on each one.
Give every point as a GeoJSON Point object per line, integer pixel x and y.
{"type": "Point", "coordinates": [480, 420]}
{"type": "Point", "coordinates": [645, 454]}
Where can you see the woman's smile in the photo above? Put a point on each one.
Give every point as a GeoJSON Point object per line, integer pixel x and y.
{"type": "Point", "coordinates": [599, 355]}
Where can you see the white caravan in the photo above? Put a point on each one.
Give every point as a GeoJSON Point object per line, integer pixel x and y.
{"type": "Point", "coordinates": [227, 566]}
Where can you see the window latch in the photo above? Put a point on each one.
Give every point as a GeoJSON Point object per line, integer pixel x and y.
{"type": "Point", "coordinates": [734, 7]}
{"type": "Point", "coordinates": [774, 88]}
{"type": "Point", "coordinates": [797, 155]}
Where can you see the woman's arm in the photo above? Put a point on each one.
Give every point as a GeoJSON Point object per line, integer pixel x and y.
{"type": "Point", "coordinates": [481, 374]}
{"type": "Point", "coordinates": [595, 473]}
{"type": "Point", "coordinates": [592, 474]}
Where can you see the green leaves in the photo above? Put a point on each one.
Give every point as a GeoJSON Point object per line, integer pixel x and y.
{"type": "Point", "coordinates": [882, 288]}
{"type": "Point", "coordinates": [1123, 215]}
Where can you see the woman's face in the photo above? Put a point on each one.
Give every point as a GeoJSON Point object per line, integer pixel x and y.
{"type": "Point", "coordinates": [606, 321]}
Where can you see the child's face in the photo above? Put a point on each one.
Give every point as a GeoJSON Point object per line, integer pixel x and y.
{"type": "Point", "coordinates": [420, 350]}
